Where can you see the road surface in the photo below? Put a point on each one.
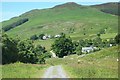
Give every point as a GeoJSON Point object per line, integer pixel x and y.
{"type": "Point", "coordinates": [55, 72]}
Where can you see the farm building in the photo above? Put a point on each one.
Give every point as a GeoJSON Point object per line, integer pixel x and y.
{"type": "Point", "coordinates": [88, 49]}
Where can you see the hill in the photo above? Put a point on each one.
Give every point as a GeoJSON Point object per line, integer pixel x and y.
{"type": "Point", "coordinates": [111, 8]}
{"type": "Point", "coordinates": [76, 21]}
{"type": "Point", "coordinates": [101, 64]}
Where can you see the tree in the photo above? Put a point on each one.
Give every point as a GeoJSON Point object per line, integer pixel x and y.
{"type": "Point", "coordinates": [26, 54]}
{"type": "Point", "coordinates": [117, 38]}
{"type": "Point", "coordinates": [34, 37]}
{"type": "Point", "coordinates": [41, 36]}
{"type": "Point", "coordinates": [98, 34]}
{"type": "Point", "coordinates": [23, 51]}
{"type": "Point", "coordinates": [82, 43]}
{"type": "Point", "coordinates": [102, 31]}
{"type": "Point", "coordinates": [41, 53]}
{"type": "Point", "coordinates": [15, 24]}
{"type": "Point", "coordinates": [112, 41]}
{"type": "Point", "coordinates": [97, 42]}
{"type": "Point", "coordinates": [105, 43]}
{"type": "Point", "coordinates": [9, 50]}
{"type": "Point", "coordinates": [79, 50]}
{"type": "Point", "coordinates": [63, 46]}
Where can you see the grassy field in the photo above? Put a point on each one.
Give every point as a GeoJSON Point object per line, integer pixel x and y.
{"type": "Point", "coordinates": [101, 64]}
{"type": "Point", "coordinates": [46, 43]}
{"type": "Point", "coordinates": [21, 70]}
{"type": "Point", "coordinates": [73, 20]}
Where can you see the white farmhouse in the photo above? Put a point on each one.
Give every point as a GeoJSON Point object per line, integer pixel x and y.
{"type": "Point", "coordinates": [57, 36]}
{"type": "Point", "coordinates": [87, 49]}
{"type": "Point", "coordinates": [44, 37]}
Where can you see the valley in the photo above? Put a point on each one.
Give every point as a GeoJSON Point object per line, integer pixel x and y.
{"type": "Point", "coordinates": [30, 39]}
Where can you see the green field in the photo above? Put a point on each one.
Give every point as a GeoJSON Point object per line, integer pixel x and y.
{"type": "Point", "coordinates": [21, 70]}
{"type": "Point", "coordinates": [78, 22]}
{"type": "Point", "coordinates": [71, 19]}
{"type": "Point", "coordinates": [101, 64]}
{"type": "Point", "coordinates": [52, 21]}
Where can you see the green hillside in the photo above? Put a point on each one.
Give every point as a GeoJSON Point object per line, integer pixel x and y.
{"type": "Point", "coordinates": [76, 21]}
{"type": "Point", "coordinates": [111, 7]}
{"type": "Point", "coordinates": [101, 64]}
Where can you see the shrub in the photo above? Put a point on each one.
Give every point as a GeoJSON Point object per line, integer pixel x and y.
{"type": "Point", "coordinates": [9, 50]}
{"type": "Point", "coordinates": [34, 37]}
{"type": "Point", "coordinates": [117, 38]}
{"type": "Point", "coordinates": [41, 36]}
{"type": "Point", "coordinates": [63, 46]}
{"type": "Point", "coordinates": [23, 51]}
{"type": "Point", "coordinates": [79, 50]}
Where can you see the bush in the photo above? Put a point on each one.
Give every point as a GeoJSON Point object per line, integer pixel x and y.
{"type": "Point", "coordinates": [26, 54]}
{"type": "Point", "coordinates": [9, 50]}
{"type": "Point", "coordinates": [34, 37]}
{"type": "Point", "coordinates": [117, 39]}
{"type": "Point", "coordinates": [31, 54]}
{"type": "Point", "coordinates": [63, 46]}
{"type": "Point", "coordinates": [41, 36]}
{"type": "Point", "coordinates": [79, 50]}
{"type": "Point", "coordinates": [23, 51]}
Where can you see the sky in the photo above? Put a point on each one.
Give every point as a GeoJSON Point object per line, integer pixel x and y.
{"type": "Point", "coordinates": [12, 8]}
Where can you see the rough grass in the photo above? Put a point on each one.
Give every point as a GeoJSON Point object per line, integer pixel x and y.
{"type": "Point", "coordinates": [55, 21]}
{"type": "Point", "coordinates": [102, 64]}
{"type": "Point", "coordinates": [21, 70]}
{"type": "Point", "coordinates": [45, 43]}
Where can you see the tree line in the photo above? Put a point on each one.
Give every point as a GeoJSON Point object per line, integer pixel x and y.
{"type": "Point", "coordinates": [14, 50]}
{"type": "Point", "coordinates": [64, 46]}
{"type": "Point", "coordinates": [15, 24]}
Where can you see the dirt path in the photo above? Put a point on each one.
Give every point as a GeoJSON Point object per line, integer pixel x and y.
{"type": "Point", "coordinates": [55, 72]}
{"type": "Point", "coordinates": [53, 54]}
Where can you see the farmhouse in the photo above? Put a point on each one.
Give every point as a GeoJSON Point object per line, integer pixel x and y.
{"type": "Point", "coordinates": [44, 37]}
{"type": "Point", "coordinates": [88, 49]}
{"type": "Point", "coordinates": [57, 36]}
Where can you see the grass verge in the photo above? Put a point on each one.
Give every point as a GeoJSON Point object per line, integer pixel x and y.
{"type": "Point", "coordinates": [21, 70]}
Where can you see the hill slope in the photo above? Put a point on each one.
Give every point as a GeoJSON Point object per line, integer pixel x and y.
{"type": "Point", "coordinates": [70, 18]}
{"type": "Point", "coordinates": [111, 8]}
{"type": "Point", "coordinates": [101, 64]}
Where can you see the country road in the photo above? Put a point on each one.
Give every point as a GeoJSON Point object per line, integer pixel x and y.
{"type": "Point", "coordinates": [53, 54]}
{"type": "Point", "coordinates": [55, 72]}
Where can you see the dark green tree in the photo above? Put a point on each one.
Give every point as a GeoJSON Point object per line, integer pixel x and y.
{"type": "Point", "coordinates": [78, 50]}
{"type": "Point", "coordinates": [9, 50]}
{"type": "Point", "coordinates": [26, 54]}
{"type": "Point", "coordinates": [117, 38]}
{"type": "Point", "coordinates": [112, 41]}
{"type": "Point", "coordinates": [41, 36]}
{"type": "Point", "coordinates": [63, 46]}
{"type": "Point", "coordinates": [34, 37]}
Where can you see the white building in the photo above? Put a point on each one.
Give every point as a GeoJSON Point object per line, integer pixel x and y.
{"type": "Point", "coordinates": [44, 37]}
{"type": "Point", "coordinates": [88, 49]}
{"type": "Point", "coordinates": [57, 36]}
